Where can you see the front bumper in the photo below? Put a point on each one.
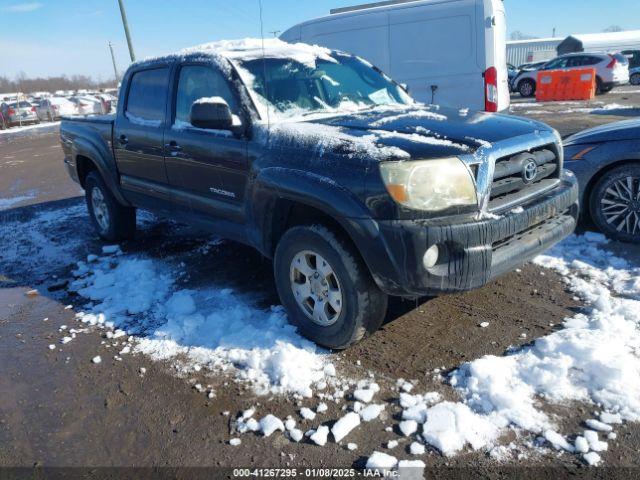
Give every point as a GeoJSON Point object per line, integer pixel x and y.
{"type": "Point", "coordinates": [475, 252]}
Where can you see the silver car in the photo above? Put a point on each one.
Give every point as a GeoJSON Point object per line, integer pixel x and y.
{"type": "Point", "coordinates": [19, 113]}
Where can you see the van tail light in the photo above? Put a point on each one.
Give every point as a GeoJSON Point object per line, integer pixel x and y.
{"type": "Point", "coordinates": [613, 62]}
{"type": "Point", "coordinates": [33, 109]}
{"type": "Point", "coordinates": [491, 89]}
{"type": "Point", "coordinates": [11, 111]}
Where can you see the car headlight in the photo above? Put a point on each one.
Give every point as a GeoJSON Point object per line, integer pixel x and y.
{"type": "Point", "coordinates": [430, 185]}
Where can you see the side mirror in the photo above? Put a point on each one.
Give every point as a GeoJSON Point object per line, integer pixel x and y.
{"type": "Point", "coordinates": [211, 114]}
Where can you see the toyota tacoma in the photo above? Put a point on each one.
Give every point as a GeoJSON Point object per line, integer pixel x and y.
{"type": "Point", "coordinates": [328, 167]}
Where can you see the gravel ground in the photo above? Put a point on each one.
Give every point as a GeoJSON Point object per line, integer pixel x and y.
{"type": "Point", "coordinates": [57, 409]}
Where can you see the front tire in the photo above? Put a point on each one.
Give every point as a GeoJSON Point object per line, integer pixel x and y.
{"type": "Point", "coordinates": [112, 221]}
{"type": "Point", "coordinates": [635, 79]}
{"type": "Point", "coordinates": [325, 287]}
{"type": "Point", "coordinates": [614, 203]}
{"type": "Point", "coordinates": [527, 88]}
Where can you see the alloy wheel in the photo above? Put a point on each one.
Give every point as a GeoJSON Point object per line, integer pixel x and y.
{"type": "Point", "coordinates": [100, 209]}
{"type": "Point", "coordinates": [620, 205]}
{"type": "Point", "coordinates": [316, 288]}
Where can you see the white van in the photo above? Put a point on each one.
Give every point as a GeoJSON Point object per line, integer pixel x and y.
{"type": "Point", "coordinates": [448, 52]}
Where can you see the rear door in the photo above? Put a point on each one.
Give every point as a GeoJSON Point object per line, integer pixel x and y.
{"type": "Point", "coordinates": [207, 169]}
{"type": "Point", "coordinates": [139, 136]}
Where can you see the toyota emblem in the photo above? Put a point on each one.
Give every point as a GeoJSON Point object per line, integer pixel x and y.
{"type": "Point", "coordinates": [530, 172]}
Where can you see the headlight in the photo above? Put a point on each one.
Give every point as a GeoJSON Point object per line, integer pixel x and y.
{"type": "Point", "coordinates": [431, 185]}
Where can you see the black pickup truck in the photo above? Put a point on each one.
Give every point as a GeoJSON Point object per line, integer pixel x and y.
{"type": "Point", "coordinates": [328, 167]}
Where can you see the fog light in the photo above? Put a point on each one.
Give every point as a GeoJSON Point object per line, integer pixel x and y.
{"type": "Point", "coordinates": [431, 257]}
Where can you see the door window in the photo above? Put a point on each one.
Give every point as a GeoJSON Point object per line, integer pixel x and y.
{"type": "Point", "coordinates": [148, 96]}
{"type": "Point", "coordinates": [577, 61]}
{"type": "Point", "coordinates": [200, 81]}
{"type": "Point", "coordinates": [557, 63]}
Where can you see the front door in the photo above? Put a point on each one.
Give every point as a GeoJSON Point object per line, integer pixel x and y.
{"type": "Point", "coordinates": [207, 169]}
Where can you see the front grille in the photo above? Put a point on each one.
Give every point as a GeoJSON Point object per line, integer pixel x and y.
{"type": "Point", "coordinates": [511, 185]}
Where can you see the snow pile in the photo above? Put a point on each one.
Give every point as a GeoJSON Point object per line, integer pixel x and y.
{"type": "Point", "coordinates": [25, 128]}
{"type": "Point", "coordinates": [343, 427]}
{"type": "Point", "coordinates": [212, 327]}
{"type": "Point", "coordinates": [595, 358]}
{"type": "Point", "coordinates": [6, 203]}
{"type": "Point", "coordinates": [451, 426]}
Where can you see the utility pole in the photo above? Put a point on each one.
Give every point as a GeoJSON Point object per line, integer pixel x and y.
{"type": "Point", "coordinates": [554, 32]}
{"type": "Point", "coordinates": [275, 33]}
{"type": "Point", "coordinates": [115, 68]}
{"type": "Point", "coordinates": [125, 23]}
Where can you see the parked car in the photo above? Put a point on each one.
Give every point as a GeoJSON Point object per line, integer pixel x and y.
{"type": "Point", "coordinates": [606, 160]}
{"type": "Point", "coordinates": [19, 113]}
{"type": "Point", "coordinates": [634, 76]}
{"type": "Point", "coordinates": [633, 56]}
{"type": "Point", "coordinates": [87, 105]}
{"type": "Point", "coordinates": [325, 165]}
{"type": "Point", "coordinates": [611, 70]}
{"type": "Point", "coordinates": [108, 102]}
{"type": "Point", "coordinates": [445, 51]}
{"type": "Point", "coordinates": [54, 108]}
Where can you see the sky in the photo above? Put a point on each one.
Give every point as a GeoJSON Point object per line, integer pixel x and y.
{"type": "Point", "coordinates": [53, 37]}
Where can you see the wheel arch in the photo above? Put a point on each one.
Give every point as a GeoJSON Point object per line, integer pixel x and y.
{"type": "Point", "coordinates": [288, 199]}
{"type": "Point", "coordinates": [89, 158]}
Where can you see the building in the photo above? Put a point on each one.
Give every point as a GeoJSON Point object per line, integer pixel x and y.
{"type": "Point", "coordinates": [530, 51]}
{"type": "Point", "coordinates": [541, 49]}
{"type": "Point", "coordinates": [601, 42]}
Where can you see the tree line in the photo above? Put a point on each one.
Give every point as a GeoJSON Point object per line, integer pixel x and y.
{"type": "Point", "coordinates": [24, 84]}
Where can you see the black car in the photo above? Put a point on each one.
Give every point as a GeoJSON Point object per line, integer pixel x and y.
{"type": "Point", "coordinates": [327, 166]}
{"type": "Point", "coordinates": [606, 160]}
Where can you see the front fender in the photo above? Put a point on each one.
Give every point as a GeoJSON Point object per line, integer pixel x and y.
{"type": "Point", "coordinates": [327, 196]}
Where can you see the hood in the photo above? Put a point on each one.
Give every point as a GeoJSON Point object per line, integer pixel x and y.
{"type": "Point", "coordinates": [432, 131]}
{"type": "Point", "coordinates": [611, 132]}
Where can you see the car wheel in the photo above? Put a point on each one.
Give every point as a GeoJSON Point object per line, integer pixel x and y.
{"type": "Point", "coordinates": [112, 221]}
{"type": "Point", "coordinates": [635, 79]}
{"type": "Point", "coordinates": [527, 88]}
{"type": "Point", "coordinates": [325, 287]}
{"type": "Point", "coordinates": [614, 203]}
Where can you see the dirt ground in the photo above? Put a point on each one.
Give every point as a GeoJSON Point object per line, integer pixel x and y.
{"type": "Point", "coordinates": [57, 409]}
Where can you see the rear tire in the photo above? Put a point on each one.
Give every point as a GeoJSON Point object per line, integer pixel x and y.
{"type": "Point", "coordinates": [614, 204]}
{"type": "Point", "coordinates": [336, 277]}
{"type": "Point", "coordinates": [112, 221]}
{"type": "Point", "coordinates": [527, 88]}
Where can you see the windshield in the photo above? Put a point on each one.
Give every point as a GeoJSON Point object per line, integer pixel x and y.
{"type": "Point", "coordinates": [332, 84]}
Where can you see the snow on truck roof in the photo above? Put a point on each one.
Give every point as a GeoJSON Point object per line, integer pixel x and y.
{"type": "Point", "coordinates": [251, 49]}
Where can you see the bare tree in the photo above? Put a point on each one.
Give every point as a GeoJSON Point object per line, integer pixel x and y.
{"type": "Point", "coordinates": [518, 35]}
{"type": "Point", "coordinates": [23, 83]}
{"type": "Point", "coordinates": [613, 28]}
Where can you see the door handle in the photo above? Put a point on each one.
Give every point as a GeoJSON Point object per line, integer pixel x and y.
{"type": "Point", "coordinates": [123, 140]}
{"type": "Point", "coordinates": [173, 146]}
